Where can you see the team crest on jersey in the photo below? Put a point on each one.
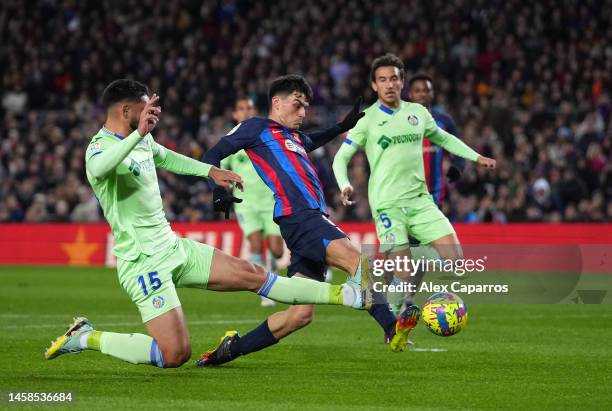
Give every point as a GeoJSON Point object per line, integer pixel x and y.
{"type": "Point", "coordinates": [390, 238]}
{"type": "Point", "coordinates": [158, 302]}
{"type": "Point", "coordinates": [413, 120]}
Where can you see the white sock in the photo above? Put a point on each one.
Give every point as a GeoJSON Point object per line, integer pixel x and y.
{"type": "Point", "coordinates": [349, 295]}
{"type": "Point", "coordinates": [83, 340]}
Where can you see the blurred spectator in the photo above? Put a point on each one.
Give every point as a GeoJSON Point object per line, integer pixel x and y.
{"type": "Point", "coordinates": [528, 83]}
{"type": "Point", "coordinates": [87, 209]}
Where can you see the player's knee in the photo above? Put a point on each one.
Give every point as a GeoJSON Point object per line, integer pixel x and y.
{"type": "Point", "coordinates": [253, 275]}
{"type": "Point", "coordinates": [454, 252]}
{"type": "Point", "coordinates": [177, 355]}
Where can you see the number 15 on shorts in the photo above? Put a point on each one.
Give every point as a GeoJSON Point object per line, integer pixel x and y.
{"type": "Point", "coordinates": [154, 282]}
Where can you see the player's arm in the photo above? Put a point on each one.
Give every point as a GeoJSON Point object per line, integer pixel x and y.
{"type": "Point", "coordinates": [452, 129]}
{"type": "Point", "coordinates": [180, 164]}
{"type": "Point", "coordinates": [237, 139]}
{"type": "Point", "coordinates": [452, 144]}
{"type": "Point", "coordinates": [457, 163]}
{"type": "Point", "coordinates": [355, 139]}
{"type": "Point", "coordinates": [101, 162]}
{"type": "Point", "coordinates": [320, 138]}
{"type": "Point", "coordinates": [103, 156]}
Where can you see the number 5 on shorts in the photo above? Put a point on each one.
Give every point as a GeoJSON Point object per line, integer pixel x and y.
{"type": "Point", "coordinates": [385, 220]}
{"type": "Point", "coordinates": [154, 282]}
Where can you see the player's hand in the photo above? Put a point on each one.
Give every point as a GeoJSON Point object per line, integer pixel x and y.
{"type": "Point", "coordinates": [223, 200]}
{"type": "Point", "coordinates": [346, 194]}
{"type": "Point", "coordinates": [149, 117]}
{"type": "Point", "coordinates": [225, 178]}
{"type": "Point", "coordinates": [453, 174]}
{"type": "Point", "coordinates": [486, 162]}
{"type": "Point", "coordinates": [352, 117]}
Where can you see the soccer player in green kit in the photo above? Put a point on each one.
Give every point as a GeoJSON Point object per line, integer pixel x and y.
{"type": "Point", "coordinates": [152, 261]}
{"type": "Point", "coordinates": [255, 213]}
{"type": "Point", "coordinates": [391, 133]}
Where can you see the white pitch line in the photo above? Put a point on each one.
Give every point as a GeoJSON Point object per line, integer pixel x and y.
{"type": "Point", "coordinates": [429, 349]}
{"type": "Point", "coordinates": [196, 322]}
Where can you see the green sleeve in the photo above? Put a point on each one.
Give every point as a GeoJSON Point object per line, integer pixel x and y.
{"type": "Point", "coordinates": [448, 141]}
{"type": "Point", "coordinates": [226, 163]}
{"type": "Point", "coordinates": [340, 165]}
{"type": "Point", "coordinates": [102, 160]}
{"type": "Point", "coordinates": [178, 163]}
{"type": "Point", "coordinates": [358, 135]}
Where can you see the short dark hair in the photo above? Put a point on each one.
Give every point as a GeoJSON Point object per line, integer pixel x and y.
{"type": "Point", "coordinates": [385, 61]}
{"type": "Point", "coordinates": [286, 85]}
{"type": "Point", "coordinates": [419, 77]}
{"type": "Point", "coordinates": [123, 90]}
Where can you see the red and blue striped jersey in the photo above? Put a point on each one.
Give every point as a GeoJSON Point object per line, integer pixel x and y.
{"type": "Point", "coordinates": [280, 158]}
{"type": "Point", "coordinates": [433, 158]}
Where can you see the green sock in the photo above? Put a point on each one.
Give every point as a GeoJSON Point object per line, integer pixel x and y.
{"type": "Point", "coordinates": [93, 340]}
{"type": "Point", "coordinates": [133, 348]}
{"type": "Point", "coordinates": [297, 290]}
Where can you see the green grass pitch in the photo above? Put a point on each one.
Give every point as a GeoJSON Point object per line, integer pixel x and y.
{"type": "Point", "coordinates": [508, 357]}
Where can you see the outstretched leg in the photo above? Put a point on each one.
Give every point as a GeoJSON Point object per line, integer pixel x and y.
{"type": "Point", "coordinates": [343, 254]}
{"type": "Point", "coordinates": [229, 273]}
{"type": "Point", "coordinates": [166, 346]}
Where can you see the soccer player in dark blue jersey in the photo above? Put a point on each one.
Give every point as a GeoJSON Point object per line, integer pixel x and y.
{"type": "Point", "coordinates": [421, 90]}
{"type": "Point", "coordinates": [279, 153]}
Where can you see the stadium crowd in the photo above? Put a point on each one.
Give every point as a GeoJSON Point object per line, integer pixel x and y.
{"type": "Point", "coordinates": [528, 83]}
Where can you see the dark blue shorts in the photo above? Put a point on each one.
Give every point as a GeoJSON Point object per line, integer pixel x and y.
{"type": "Point", "coordinates": [307, 234]}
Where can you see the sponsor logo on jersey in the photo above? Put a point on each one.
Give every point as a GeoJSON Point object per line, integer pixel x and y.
{"type": "Point", "coordinates": [137, 168]}
{"type": "Point", "coordinates": [145, 143]}
{"type": "Point", "coordinates": [382, 123]}
{"type": "Point", "coordinates": [134, 167]}
{"type": "Point", "coordinates": [413, 120]}
{"type": "Point", "coordinates": [158, 301]}
{"type": "Point", "coordinates": [385, 141]}
{"type": "Point", "coordinates": [291, 146]}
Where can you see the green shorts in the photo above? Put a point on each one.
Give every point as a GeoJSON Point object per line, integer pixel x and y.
{"type": "Point", "coordinates": [422, 219]}
{"type": "Point", "coordinates": [252, 220]}
{"type": "Point", "coordinates": [151, 281]}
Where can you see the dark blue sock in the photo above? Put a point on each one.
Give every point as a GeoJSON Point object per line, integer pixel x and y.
{"type": "Point", "coordinates": [255, 340]}
{"type": "Point", "coordinates": [383, 316]}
